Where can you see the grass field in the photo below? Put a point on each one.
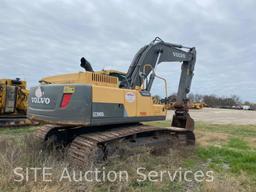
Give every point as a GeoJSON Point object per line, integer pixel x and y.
{"type": "Point", "coordinates": [227, 150]}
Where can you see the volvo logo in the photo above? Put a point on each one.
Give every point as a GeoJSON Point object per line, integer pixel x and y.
{"type": "Point", "coordinates": [39, 99]}
{"type": "Point", "coordinates": [38, 92]}
{"type": "Point", "coordinates": [180, 55]}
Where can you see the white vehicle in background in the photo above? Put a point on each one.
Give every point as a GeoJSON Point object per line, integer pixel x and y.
{"type": "Point", "coordinates": [246, 107]}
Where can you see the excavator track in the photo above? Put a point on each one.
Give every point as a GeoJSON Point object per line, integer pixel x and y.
{"type": "Point", "coordinates": [45, 130]}
{"type": "Point", "coordinates": [99, 145]}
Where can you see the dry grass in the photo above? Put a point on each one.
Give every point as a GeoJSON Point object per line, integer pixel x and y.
{"type": "Point", "coordinates": [19, 149]}
{"type": "Point", "coordinates": [26, 152]}
{"type": "Point", "coordinates": [206, 139]}
{"type": "Point", "coordinates": [228, 183]}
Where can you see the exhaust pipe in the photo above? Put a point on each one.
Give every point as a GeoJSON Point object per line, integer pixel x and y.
{"type": "Point", "coordinates": [86, 65]}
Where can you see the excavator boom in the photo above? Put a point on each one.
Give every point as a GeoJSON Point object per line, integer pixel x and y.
{"type": "Point", "coordinates": [158, 51]}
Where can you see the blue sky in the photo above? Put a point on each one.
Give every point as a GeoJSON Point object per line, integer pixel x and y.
{"type": "Point", "coordinates": [46, 37]}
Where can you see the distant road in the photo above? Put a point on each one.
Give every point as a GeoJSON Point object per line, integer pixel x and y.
{"type": "Point", "coordinates": [222, 116]}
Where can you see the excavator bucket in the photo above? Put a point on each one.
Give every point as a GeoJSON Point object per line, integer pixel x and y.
{"type": "Point", "coordinates": [183, 122]}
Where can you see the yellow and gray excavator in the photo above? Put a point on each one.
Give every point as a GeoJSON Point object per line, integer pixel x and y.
{"type": "Point", "coordinates": [13, 103]}
{"type": "Point", "coordinates": [92, 110]}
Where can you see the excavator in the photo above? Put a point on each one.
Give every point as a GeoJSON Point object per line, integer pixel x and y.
{"type": "Point", "coordinates": [13, 103]}
{"type": "Point", "coordinates": [91, 111]}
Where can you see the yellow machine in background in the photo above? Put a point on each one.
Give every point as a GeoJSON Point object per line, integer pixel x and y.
{"type": "Point", "coordinates": [191, 105]}
{"type": "Point", "coordinates": [197, 105]}
{"type": "Point", "coordinates": [13, 102]}
{"type": "Point", "coordinates": [170, 106]}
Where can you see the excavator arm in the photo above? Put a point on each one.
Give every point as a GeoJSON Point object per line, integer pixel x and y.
{"type": "Point", "coordinates": [144, 64]}
{"type": "Point", "coordinates": [158, 51]}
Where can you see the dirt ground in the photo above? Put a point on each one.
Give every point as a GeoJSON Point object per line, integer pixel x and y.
{"type": "Point", "coordinates": [222, 116]}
